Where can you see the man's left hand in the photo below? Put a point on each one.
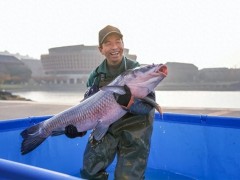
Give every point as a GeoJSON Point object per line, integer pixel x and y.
{"type": "Point", "coordinates": [72, 132]}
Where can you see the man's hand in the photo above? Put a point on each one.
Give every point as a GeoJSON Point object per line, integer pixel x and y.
{"type": "Point", "coordinates": [71, 132]}
{"type": "Point", "coordinates": [125, 99]}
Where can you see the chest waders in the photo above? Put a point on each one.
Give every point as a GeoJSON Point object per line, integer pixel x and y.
{"type": "Point", "coordinates": [129, 138]}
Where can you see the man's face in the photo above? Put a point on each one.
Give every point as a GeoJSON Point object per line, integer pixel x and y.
{"type": "Point", "coordinates": [112, 49]}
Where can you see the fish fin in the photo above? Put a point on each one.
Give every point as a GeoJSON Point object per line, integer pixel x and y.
{"type": "Point", "coordinates": [116, 89]}
{"type": "Point", "coordinates": [153, 103]}
{"type": "Point", "coordinates": [100, 130]}
{"type": "Point", "coordinates": [31, 130]}
{"type": "Point", "coordinates": [57, 133]}
{"type": "Point", "coordinates": [31, 138]}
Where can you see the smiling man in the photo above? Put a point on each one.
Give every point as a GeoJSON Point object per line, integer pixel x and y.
{"type": "Point", "coordinates": [128, 138]}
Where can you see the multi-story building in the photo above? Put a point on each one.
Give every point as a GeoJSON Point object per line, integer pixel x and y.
{"type": "Point", "coordinates": [72, 64]}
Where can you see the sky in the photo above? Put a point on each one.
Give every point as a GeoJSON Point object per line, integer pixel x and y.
{"type": "Point", "coordinates": [205, 33]}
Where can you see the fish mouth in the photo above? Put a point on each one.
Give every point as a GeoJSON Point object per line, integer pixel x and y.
{"type": "Point", "coordinates": [162, 69]}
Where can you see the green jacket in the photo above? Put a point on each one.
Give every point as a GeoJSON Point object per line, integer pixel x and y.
{"type": "Point", "coordinates": [102, 74]}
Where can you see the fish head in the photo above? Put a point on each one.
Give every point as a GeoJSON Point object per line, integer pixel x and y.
{"type": "Point", "coordinates": [142, 80]}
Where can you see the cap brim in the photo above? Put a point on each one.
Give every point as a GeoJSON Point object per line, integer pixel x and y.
{"type": "Point", "coordinates": [111, 32]}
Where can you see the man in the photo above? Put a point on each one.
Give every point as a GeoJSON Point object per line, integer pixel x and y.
{"type": "Point", "coordinates": [129, 138]}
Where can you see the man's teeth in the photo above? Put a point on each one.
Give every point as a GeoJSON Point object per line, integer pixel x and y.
{"type": "Point", "coordinates": [114, 53]}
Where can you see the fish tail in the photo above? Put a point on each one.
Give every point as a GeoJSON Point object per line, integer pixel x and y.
{"type": "Point", "coordinates": [31, 138]}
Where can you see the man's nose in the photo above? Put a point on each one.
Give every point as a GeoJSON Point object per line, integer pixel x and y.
{"type": "Point", "coordinates": [114, 46]}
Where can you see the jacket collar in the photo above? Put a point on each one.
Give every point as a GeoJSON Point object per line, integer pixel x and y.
{"type": "Point", "coordinates": [103, 66]}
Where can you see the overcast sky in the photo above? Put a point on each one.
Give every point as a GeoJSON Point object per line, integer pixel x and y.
{"type": "Point", "coordinates": [203, 32]}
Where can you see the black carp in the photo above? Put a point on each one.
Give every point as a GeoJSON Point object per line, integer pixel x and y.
{"type": "Point", "coordinates": [100, 110]}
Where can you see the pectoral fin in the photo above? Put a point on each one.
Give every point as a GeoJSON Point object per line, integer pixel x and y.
{"type": "Point", "coordinates": [153, 103]}
{"type": "Point", "coordinates": [100, 130]}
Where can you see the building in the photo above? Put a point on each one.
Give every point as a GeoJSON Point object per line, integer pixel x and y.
{"type": "Point", "coordinates": [72, 64]}
{"type": "Point", "coordinates": [35, 65]}
{"type": "Point", "coordinates": [12, 69]}
{"type": "Point", "coordinates": [219, 75]}
{"type": "Point", "coordinates": [181, 72]}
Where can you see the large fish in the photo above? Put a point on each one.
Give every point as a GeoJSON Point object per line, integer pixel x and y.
{"type": "Point", "coordinates": [100, 110]}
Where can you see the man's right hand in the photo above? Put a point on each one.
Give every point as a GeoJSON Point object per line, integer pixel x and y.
{"type": "Point", "coordinates": [72, 132]}
{"type": "Point", "coordinates": [125, 100]}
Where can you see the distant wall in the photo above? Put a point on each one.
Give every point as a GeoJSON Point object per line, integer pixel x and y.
{"type": "Point", "coordinates": [186, 73]}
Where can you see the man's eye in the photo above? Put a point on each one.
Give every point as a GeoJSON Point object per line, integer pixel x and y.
{"type": "Point", "coordinates": [107, 43]}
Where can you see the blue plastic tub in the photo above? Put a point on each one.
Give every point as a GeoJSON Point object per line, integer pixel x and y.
{"type": "Point", "coordinates": [183, 147]}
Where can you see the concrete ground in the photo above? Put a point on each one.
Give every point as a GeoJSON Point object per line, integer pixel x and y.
{"type": "Point", "coordinates": [23, 109]}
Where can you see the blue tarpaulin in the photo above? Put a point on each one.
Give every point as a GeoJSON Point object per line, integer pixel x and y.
{"type": "Point", "coordinates": [191, 146]}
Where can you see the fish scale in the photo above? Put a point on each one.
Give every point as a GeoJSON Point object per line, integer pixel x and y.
{"type": "Point", "coordinates": [87, 112]}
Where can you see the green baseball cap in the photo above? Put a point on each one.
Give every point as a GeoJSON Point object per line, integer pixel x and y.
{"type": "Point", "coordinates": [103, 33]}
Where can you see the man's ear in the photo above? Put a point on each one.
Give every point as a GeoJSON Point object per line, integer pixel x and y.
{"type": "Point", "coordinates": [100, 49]}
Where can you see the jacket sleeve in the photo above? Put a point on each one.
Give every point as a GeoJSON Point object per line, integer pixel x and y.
{"type": "Point", "coordinates": [92, 87]}
{"type": "Point", "coordinates": [90, 79]}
